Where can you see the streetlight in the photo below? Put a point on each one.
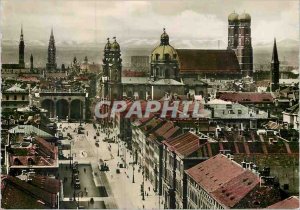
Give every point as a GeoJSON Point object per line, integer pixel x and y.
{"type": "Point", "coordinates": [143, 184]}
{"type": "Point", "coordinates": [118, 149]}
{"type": "Point", "coordinates": [132, 173]}
{"type": "Point", "coordinates": [79, 193]}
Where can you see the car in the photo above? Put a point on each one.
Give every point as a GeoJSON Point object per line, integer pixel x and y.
{"type": "Point", "coordinates": [77, 184]}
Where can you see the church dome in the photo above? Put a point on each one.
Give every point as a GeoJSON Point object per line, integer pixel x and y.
{"type": "Point", "coordinates": [233, 17]}
{"type": "Point", "coordinates": [164, 52]}
{"type": "Point", "coordinates": [108, 45]}
{"type": "Point", "coordinates": [244, 17]}
{"type": "Point", "coordinates": [115, 45]}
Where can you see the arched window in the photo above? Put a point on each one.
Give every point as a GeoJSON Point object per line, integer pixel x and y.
{"type": "Point", "coordinates": [17, 162]}
{"type": "Point", "coordinates": [30, 161]}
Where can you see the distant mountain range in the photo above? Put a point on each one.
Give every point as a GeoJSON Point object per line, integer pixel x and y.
{"type": "Point", "coordinates": [288, 49]}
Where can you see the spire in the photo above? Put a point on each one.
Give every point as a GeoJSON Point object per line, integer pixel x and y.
{"type": "Point", "coordinates": [275, 53]}
{"type": "Point", "coordinates": [52, 31]}
{"type": "Point", "coordinates": [164, 38]}
{"type": "Point", "coordinates": [21, 36]}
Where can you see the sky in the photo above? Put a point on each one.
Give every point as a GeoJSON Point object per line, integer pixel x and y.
{"type": "Point", "coordinates": [93, 21]}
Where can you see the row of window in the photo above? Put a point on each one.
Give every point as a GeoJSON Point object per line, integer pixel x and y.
{"type": "Point", "coordinates": [165, 57]}
{"type": "Point", "coordinates": [15, 97]}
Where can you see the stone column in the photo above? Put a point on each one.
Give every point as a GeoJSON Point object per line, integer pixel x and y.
{"type": "Point", "coordinates": [83, 110]}
{"type": "Point", "coordinates": [69, 111]}
{"type": "Point", "coordinates": [54, 108]}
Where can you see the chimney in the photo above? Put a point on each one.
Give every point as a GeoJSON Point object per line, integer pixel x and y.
{"type": "Point", "coordinates": [247, 165]}
{"type": "Point", "coordinates": [244, 164]}
{"type": "Point", "coordinates": [251, 165]}
{"type": "Point", "coordinates": [212, 112]}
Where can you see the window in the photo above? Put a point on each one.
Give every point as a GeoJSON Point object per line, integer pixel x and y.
{"type": "Point", "coordinates": [239, 111]}
{"type": "Point", "coordinates": [7, 98]}
{"type": "Point", "coordinates": [23, 98]}
{"type": "Point", "coordinates": [15, 97]}
{"type": "Point", "coordinates": [167, 57]}
{"type": "Point", "coordinates": [156, 56]}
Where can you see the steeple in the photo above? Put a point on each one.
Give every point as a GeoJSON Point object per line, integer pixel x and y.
{"type": "Point", "coordinates": [51, 32]}
{"type": "Point", "coordinates": [274, 69]}
{"type": "Point", "coordinates": [21, 50]}
{"type": "Point", "coordinates": [275, 53]}
{"type": "Point", "coordinates": [51, 65]}
{"type": "Point", "coordinates": [21, 36]}
{"type": "Point", "coordinates": [31, 62]}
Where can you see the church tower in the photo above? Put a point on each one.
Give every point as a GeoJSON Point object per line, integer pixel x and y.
{"type": "Point", "coordinates": [115, 88]}
{"type": "Point", "coordinates": [233, 31]}
{"type": "Point", "coordinates": [112, 71]}
{"type": "Point", "coordinates": [21, 50]}
{"type": "Point", "coordinates": [51, 65]}
{"type": "Point", "coordinates": [106, 60]}
{"type": "Point", "coordinates": [244, 48]}
{"type": "Point", "coordinates": [274, 69]}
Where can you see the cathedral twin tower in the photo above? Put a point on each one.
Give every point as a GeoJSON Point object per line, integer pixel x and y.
{"type": "Point", "coordinates": [239, 40]}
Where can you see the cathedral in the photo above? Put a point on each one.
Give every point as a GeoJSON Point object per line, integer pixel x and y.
{"type": "Point", "coordinates": [181, 71]}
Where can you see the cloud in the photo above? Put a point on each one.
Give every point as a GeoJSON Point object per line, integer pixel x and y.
{"type": "Point", "coordinates": [90, 21]}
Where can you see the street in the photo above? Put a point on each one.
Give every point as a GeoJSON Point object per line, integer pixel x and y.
{"type": "Point", "coordinates": [117, 190]}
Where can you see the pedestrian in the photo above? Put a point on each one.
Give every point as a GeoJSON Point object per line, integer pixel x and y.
{"type": "Point", "coordinates": [85, 172]}
{"type": "Point", "coordinates": [143, 206]}
{"type": "Point", "coordinates": [149, 188]}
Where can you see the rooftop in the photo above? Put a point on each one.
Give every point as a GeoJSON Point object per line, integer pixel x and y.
{"type": "Point", "coordinates": [289, 203]}
{"type": "Point", "coordinates": [184, 144]}
{"type": "Point", "coordinates": [208, 61]}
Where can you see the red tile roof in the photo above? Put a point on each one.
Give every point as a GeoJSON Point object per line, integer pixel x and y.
{"type": "Point", "coordinates": [184, 144]}
{"type": "Point", "coordinates": [218, 168]}
{"type": "Point", "coordinates": [164, 128]}
{"type": "Point", "coordinates": [208, 61]}
{"type": "Point", "coordinates": [171, 132]}
{"type": "Point", "coordinates": [20, 194]}
{"type": "Point", "coordinates": [289, 203]}
{"type": "Point", "coordinates": [224, 179]}
{"type": "Point", "coordinates": [246, 97]}
{"type": "Point", "coordinates": [46, 183]}
{"type": "Point", "coordinates": [236, 189]}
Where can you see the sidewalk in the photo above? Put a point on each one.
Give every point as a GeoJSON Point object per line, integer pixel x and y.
{"type": "Point", "coordinates": [127, 195]}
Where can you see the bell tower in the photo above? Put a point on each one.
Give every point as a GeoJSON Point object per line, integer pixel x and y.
{"type": "Point", "coordinates": [244, 48]}
{"type": "Point", "coordinates": [115, 87]}
{"type": "Point", "coordinates": [112, 71]}
{"type": "Point", "coordinates": [233, 31]}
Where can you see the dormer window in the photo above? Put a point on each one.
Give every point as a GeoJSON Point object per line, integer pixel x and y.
{"type": "Point", "coordinates": [167, 56]}
{"type": "Point", "coordinates": [156, 56]}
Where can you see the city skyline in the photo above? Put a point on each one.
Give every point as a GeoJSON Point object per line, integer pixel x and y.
{"type": "Point", "coordinates": [143, 20]}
